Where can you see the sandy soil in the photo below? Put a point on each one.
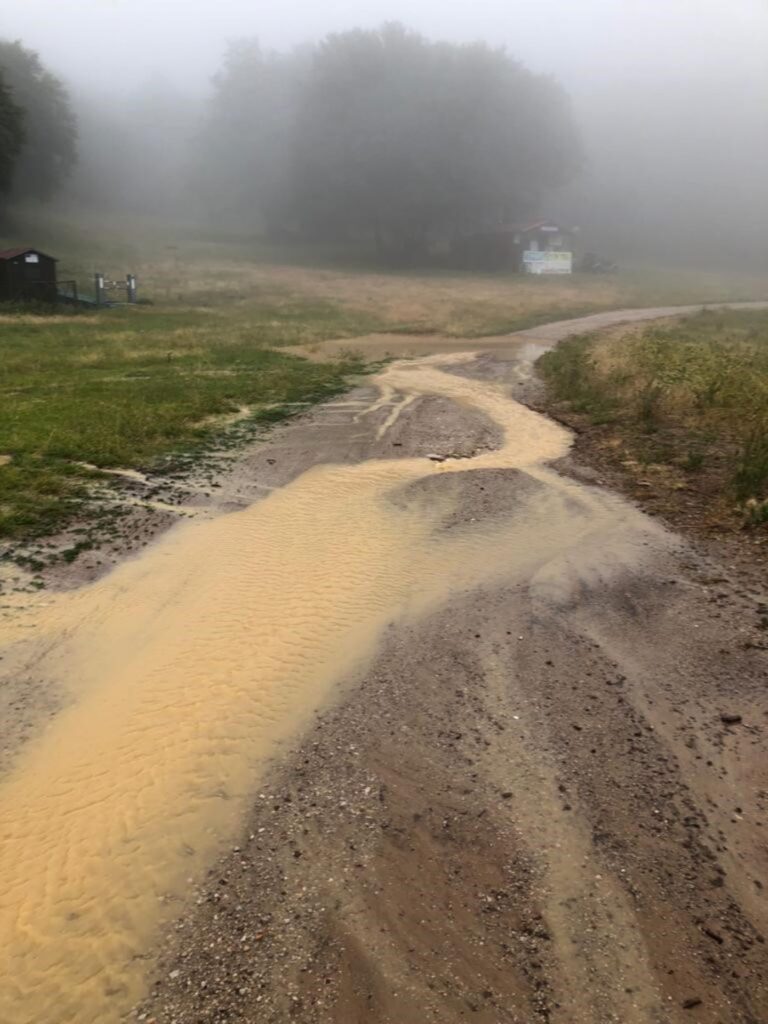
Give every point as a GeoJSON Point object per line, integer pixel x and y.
{"type": "Point", "coordinates": [524, 812]}
{"type": "Point", "coordinates": [542, 800]}
{"type": "Point", "coordinates": [534, 806]}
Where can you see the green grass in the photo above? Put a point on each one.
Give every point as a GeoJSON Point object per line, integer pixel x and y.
{"type": "Point", "coordinates": [124, 387]}
{"type": "Point", "coordinates": [696, 389]}
{"type": "Point", "coordinates": [130, 386]}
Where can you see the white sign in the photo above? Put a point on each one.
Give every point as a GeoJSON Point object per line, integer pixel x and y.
{"type": "Point", "coordinates": [31, 257]}
{"type": "Point", "coordinates": [555, 262]}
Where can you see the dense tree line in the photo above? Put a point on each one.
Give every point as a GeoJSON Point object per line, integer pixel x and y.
{"type": "Point", "coordinates": [38, 131]}
{"type": "Point", "coordinates": [383, 135]}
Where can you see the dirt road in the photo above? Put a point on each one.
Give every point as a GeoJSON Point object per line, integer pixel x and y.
{"type": "Point", "coordinates": [430, 732]}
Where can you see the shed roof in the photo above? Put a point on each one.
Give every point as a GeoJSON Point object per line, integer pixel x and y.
{"type": "Point", "coordinates": [524, 229]}
{"type": "Point", "coordinates": [10, 254]}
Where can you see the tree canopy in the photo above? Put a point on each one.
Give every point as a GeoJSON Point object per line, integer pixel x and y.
{"type": "Point", "coordinates": [49, 148]}
{"type": "Point", "coordinates": [247, 140]}
{"type": "Point", "coordinates": [385, 135]}
{"type": "Point", "coordinates": [11, 136]}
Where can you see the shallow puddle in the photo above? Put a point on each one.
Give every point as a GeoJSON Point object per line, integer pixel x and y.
{"type": "Point", "coordinates": [190, 666]}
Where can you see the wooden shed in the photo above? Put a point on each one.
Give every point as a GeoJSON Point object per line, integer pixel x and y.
{"type": "Point", "coordinates": [27, 275]}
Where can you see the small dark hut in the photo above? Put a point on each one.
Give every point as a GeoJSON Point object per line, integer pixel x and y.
{"type": "Point", "coordinates": [27, 275]}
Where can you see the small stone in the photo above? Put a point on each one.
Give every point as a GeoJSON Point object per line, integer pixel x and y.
{"type": "Point", "coordinates": [436, 458]}
{"type": "Point", "coordinates": [174, 974]}
{"type": "Point", "coordinates": [691, 1004]}
{"type": "Point", "coordinates": [730, 718]}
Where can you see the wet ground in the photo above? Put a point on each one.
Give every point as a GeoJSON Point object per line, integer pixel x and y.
{"type": "Point", "coordinates": [420, 729]}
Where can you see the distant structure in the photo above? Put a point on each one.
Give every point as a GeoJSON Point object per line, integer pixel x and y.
{"type": "Point", "coordinates": [27, 275]}
{"type": "Point", "coordinates": [543, 247]}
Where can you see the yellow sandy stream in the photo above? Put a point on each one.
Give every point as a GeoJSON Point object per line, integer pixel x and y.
{"type": "Point", "coordinates": [189, 665]}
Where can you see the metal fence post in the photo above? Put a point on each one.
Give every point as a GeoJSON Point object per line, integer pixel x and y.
{"type": "Point", "coordinates": [98, 281]}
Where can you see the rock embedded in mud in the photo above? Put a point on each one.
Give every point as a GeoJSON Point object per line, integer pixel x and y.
{"type": "Point", "coordinates": [728, 718]}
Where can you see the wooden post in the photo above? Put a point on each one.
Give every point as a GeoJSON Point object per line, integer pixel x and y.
{"type": "Point", "coordinates": [98, 281]}
{"type": "Point", "coordinates": [130, 287]}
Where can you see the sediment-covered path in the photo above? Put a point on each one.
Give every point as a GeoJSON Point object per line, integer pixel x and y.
{"type": "Point", "coordinates": [428, 732]}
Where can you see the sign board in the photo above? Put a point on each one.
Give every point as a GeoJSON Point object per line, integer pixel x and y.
{"type": "Point", "coordinates": [547, 262]}
{"type": "Point", "coordinates": [31, 257]}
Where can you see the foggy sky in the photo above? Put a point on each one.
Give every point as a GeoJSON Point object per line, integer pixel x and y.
{"type": "Point", "coordinates": [670, 96]}
{"type": "Point", "coordinates": [117, 45]}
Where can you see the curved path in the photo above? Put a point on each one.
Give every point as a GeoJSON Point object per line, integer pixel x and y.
{"type": "Point", "coordinates": [526, 807]}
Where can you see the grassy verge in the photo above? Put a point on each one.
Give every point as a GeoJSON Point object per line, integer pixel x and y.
{"type": "Point", "coordinates": [125, 387]}
{"type": "Point", "coordinates": [685, 403]}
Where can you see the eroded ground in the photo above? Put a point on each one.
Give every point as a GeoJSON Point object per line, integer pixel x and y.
{"type": "Point", "coordinates": [523, 804]}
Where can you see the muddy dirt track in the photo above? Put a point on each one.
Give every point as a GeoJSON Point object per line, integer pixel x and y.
{"type": "Point", "coordinates": [409, 739]}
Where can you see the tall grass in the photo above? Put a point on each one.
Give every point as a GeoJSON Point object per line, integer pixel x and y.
{"type": "Point", "coordinates": [705, 377]}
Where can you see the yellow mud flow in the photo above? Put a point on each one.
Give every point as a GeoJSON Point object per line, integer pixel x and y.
{"type": "Point", "coordinates": [188, 666]}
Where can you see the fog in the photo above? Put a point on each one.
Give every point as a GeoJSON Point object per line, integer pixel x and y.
{"type": "Point", "coordinates": [669, 97]}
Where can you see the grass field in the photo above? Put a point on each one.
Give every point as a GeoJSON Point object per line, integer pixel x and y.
{"type": "Point", "coordinates": [692, 394]}
{"type": "Point", "coordinates": [125, 386]}
{"type": "Point", "coordinates": [237, 276]}
{"type": "Point", "coordinates": [122, 387]}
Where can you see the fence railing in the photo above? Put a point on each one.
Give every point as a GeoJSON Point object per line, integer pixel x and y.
{"type": "Point", "coordinates": [103, 286]}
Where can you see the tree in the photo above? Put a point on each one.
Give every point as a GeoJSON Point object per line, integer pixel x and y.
{"type": "Point", "coordinates": [384, 135]}
{"type": "Point", "coordinates": [11, 136]}
{"type": "Point", "coordinates": [50, 147]}
{"type": "Point", "coordinates": [246, 142]}
{"type": "Point", "coordinates": [411, 140]}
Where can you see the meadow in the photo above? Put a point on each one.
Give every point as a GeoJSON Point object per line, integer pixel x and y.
{"type": "Point", "coordinates": [127, 386]}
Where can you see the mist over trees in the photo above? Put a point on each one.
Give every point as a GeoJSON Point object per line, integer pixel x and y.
{"type": "Point", "coordinates": [410, 140]}
{"type": "Point", "coordinates": [48, 151]}
{"type": "Point", "coordinates": [135, 154]}
{"type": "Point", "coordinates": [385, 136]}
{"type": "Point", "coordinates": [385, 140]}
{"type": "Point", "coordinates": [242, 160]}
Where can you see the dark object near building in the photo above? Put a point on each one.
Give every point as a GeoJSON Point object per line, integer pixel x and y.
{"type": "Point", "coordinates": [27, 275]}
{"type": "Point", "coordinates": [592, 263]}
